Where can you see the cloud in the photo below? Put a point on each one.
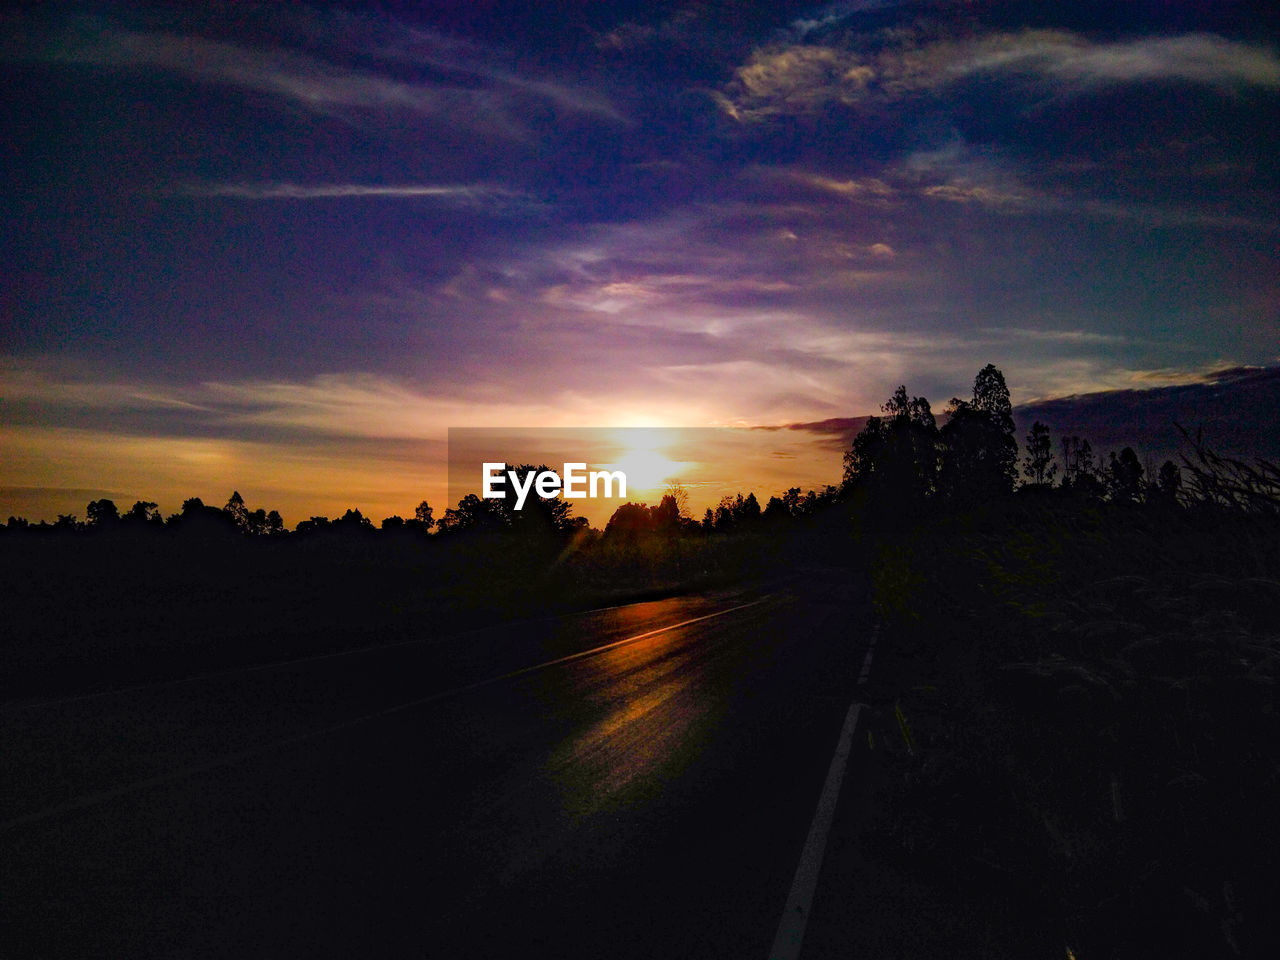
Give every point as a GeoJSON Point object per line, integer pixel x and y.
{"type": "Point", "coordinates": [796, 79]}
{"type": "Point", "coordinates": [1056, 336]}
{"type": "Point", "coordinates": [1192, 58]}
{"type": "Point", "coordinates": [866, 188]}
{"type": "Point", "coordinates": [479, 94]}
{"type": "Point", "coordinates": [838, 12]}
{"type": "Point", "coordinates": [303, 80]}
{"type": "Point", "coordinates": [801, 78]}
{"type": "Point", "coordinates": [421, 46]}
{"type": "Point", "coordinates": [477, 195]}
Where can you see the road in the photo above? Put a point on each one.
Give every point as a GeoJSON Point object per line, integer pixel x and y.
{"type": "Point", "coordinates": [630, 782]}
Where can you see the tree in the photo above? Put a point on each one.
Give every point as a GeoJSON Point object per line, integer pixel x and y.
{"type": "Point", "coordinates": [1169, 482]}
{"type": "Point", "coordinates": [143, 511]}
{"type": "Point", "coordinates": [237, 511]}
{"type": "Point", "coordinates": [980, 454]}
{"type": "Point", "coordinates": [472, 513]}
{"type": "Point", "coordinates": [895, 458]}
{"type": "Point", "coordinates": [353, 521]}
{"type": "Point", "coordinates": [666, 515]}
{"type": "Point", "coordinates": [791, 500]}
{"type": "Point", "coordinates": [422, 516]}
{"type": "Point", "coordinates": [776, 510]}
{"type": "Point", "coordinates": [1124, 477]}
{"type": "Point", "coordinates": [101, 513]}
{"type": "Point", "coordinates": [312, 525]}
{"type": "Point", "coordinates": [724, 515]}
{"type": "Point", "coordinates": [676, 490]}
{"type": "Point", "coordinates": [991, 396]}
{"type": "Point", "coordinates": [1079, 471]}
{"type": "Point", "coordinates": [629, 522]}
{"type": "Point", "coordinates": [393, 523]}
{"type": "Point", "coordinates": [1038, 465]}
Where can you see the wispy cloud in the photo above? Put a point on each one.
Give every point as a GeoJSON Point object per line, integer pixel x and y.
{"type": "Point", "coordinates": [303, 80]}
{"type": "Point", "coordinates": [466, 58]}
{"type": "Point", "coordinates": [799, 78]}
{"type": "Point", "coordinates": [458, 194]}
{"type": "Point", "coordinates": [474, 91]}
{"type": "Point", "coordinates": [1193, 58]}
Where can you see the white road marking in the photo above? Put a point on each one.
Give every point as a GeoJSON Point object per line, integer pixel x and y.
{"type": "Point", "coordinates": [866, 663]}
{"type": "Point", "coordinates": [795, 916]}
{"type": "Point", "coordinates": [93, 799]}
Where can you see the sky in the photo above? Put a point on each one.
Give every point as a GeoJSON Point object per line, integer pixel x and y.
{"type": "Point", "coordinates": [283, 248]}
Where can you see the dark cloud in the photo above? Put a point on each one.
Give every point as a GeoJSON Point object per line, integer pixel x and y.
{"type": "Point", "coordinates": [1233, 409]}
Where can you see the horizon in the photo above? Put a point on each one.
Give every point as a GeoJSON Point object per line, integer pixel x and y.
{"type": "Point", "coordinates": [284, 250]}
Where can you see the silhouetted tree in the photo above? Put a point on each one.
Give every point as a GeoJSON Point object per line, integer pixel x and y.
{"type": "Point", "coordinates": [676, 490]}
{"type": "Point", "coordinates": [776, 510]}
{"type": "Point", "coordinates": [143, 511]}
{"type": "Point", "coordinates": [1124, 477]}
{"type": "Point", "coordinates": [392, 524]}
{"type": "Point", "coordinates": [237, 511]}
{"type": "Point", "coordinates": [423, 518]}
{"type": "Point", "coordinates": [472, 514]}
{"type": "Point", "coordinates": [1079, 470]}
{"type": "Point", "coordinates": [353, 521]}
{"type": "Point", "coordinates": [629, 522]}
{"type": "Point", "coordinates": [666, 515]}
{"type": "Point", "coordinates": [980, 454]}
{"type": "Point", "coordinates": [724, 515]}
{"type": "Point", "coordinates": [791, 500]}
{"type": "Point", "coordinates": [895, 458]}
{"type": "Point", "coordinates": [1038, 465]}
{"type": "Point", "coordinates": [312, 525]}
{"type": "Point", "coordinates": [101, 513]}
{"type": "Point", "coordinates": [1168, 483]}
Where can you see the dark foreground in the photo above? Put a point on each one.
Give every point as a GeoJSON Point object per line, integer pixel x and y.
{"type": "Point", "coordinates": [646, 800]}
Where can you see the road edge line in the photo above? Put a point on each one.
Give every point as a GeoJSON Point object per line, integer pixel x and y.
{"type": "Point", "coordinates": [795, 915]}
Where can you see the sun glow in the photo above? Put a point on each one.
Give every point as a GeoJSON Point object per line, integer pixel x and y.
{"type": "Point", "coordinates": [644, 460]}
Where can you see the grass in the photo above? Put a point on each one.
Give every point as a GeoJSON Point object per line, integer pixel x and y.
{"type": "Point", "coordinates": [1101, 739]}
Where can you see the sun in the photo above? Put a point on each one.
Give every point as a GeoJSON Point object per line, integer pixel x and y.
{"type": "Point", "coordinates": [647, 468]}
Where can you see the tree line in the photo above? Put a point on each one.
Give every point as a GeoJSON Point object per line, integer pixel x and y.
{"type": "Point", "coordinates": [904, 458]}
{"type": "Point", "coordinates": [897, 462]}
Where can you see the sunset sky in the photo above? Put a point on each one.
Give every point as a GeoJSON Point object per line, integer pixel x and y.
{"type": "Point", "coordinates": [284, 248]}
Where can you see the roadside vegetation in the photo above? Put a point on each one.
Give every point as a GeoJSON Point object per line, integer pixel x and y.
{"type": "Point", "coordinates": [1082, 718]}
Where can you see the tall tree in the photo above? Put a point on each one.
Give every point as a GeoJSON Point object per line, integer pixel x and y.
{"type": "Point", "coordinates": [1038, 465]}
{"type": "Point", "coordinates": [422, 514]}
{"type": "Point", "coordinates": [237, 511]}
{"type": "Point", "coordinates": [980, 453]}
{"type": "Point", "coordinates": [101, 513]}
{"type": "Point", "coordinates": [1124, 477]}
{"type": "Point", "coordinates": [895, 458]}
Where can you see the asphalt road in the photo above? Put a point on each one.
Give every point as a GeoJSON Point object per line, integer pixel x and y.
{"type": "Point", "coordinates": [514, 792]}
